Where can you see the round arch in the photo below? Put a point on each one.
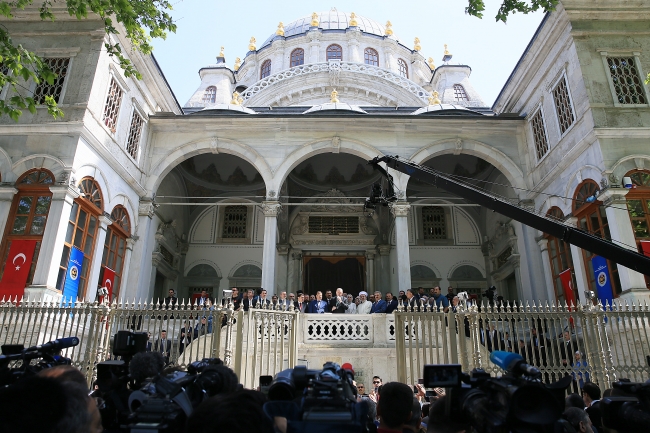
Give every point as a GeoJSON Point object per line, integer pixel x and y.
{"type": "Point", "coordinates": [207, 145]}
{"type": "Point", "coordinates": [577, 177]}
{"type": "Point", "coordinates": [91, 170]}
{"type": "Point", "coordinates": [121, 199]}
{"type": "Point", "coordinates": [471, 263]}
{"type": "Point", "coordinates": [498, 159]}
{"type": "Point", "coordinates": [628, 163]}
{"type": "Point", "coordinates": [205, 262]}
{"type": "Point", "coordinates": [49, 162]}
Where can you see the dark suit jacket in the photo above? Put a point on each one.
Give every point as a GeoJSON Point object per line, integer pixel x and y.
{"type": "Point", "coordinates": [391, 306]}
{"type": "Point", "coordinates": [313, 306]}
{"type": "Point", "coordinates": [337, 307]}
{"type": "Point", "coordinates": [248, 303]}
{"type": "Point", "coordinates": [595, 415]}
{"type": "Point", "coordinates": [379, 307]}
{"type": "Point", "coordinates": [300, 308]}
{"type": "Point", "coordinates": [492, 342]}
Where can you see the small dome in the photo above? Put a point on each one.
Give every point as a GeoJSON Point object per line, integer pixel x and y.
{"type": "Point", "coordinates": [333, 107]}
{"type": "Point", "coordinates": [444, 109]}
{"type": "Point", "coordinates": [230, 108]}
{"type": "Point", "coordinates": [329, 20]}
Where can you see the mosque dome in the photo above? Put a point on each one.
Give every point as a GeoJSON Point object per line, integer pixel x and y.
{"type": "Point", "coordinates": [329, 20]}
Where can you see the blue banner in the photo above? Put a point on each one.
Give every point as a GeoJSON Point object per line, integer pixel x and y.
{"type": "Point", "coordinates": [73, 275]}
{"type": "Point", "coordinates": [603, 280]}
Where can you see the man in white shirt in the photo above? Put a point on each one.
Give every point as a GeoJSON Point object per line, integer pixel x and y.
{"type": "Point", "coordinates": [365, 306]}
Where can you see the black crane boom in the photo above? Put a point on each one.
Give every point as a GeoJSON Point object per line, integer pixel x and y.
{"type": "Point", "coordinates": [623, 256]}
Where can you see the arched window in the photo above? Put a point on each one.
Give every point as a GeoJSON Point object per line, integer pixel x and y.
{"type": "Point", "coordinates": [210, 95]}
{"type": "Point", "coordinates": [28, 215]}
{"type": "Point", "coordinates": [559, 253]}
{"type": "Point", "coordinates": [334, 52]}
{"type": "Point", "coordinates": [593, 219]}
{"type": "Point", "coordinates": [434, 225]}
{"type": "Point", "coordinates": [265, 70]}
{"type": "Point", "coordinates": [115, 249]}
{"type": "Point", "coordinates": [370, 57]}
{"type": "Point", "coordinates": [297, 57]}
{"type": "Point", "coordinates": [403, 68]}
{"type": "Point", "coordinates": [83, 224]}
{"type": "Point", "coordinates": [638, 206]}
{"type": "Point", "coordinates": [459, 93]}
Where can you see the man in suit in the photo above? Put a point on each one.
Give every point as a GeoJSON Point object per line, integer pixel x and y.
{"type": "Point", "coordinates": [187, 334]}
{"type": "Point", "coordinates": [379, 306]}
{"type": "Point", "coordinates": [411, 300]}
{"type": "Point", "coordinates": [317, 306]}
{"type": "Point", "coordinates": [591, 395]}
{"type": "Point", "coordinates": [338, 305]}
{"type": "Point", "coordinates": [391, 303]}
{"type": "Point", "coordinates": [171, 299]}
{"type": "Point", "coordinates": [492, 339]}
{"type": "Point", "coordinates": [204, 301]}
{"type": "Point", "coordinates": [249, 300]}
{"type": "Point", "coordinates": [567, 348]}
{"type": "Point", "coordinates": [163, 345]}
{"type": "Point", "coordinates": [537, 349]}
{"type": "Point", "coordinates": [261, 301]}
{"type": "Point", "coordinates": [283, 301]}
{"type": "Point", "coordinates": [300, 305]}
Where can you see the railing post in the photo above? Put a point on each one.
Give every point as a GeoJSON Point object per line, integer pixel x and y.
{"type": "Point", "coordinates": [400, 350]}
{"type": "Point", "coordinates": [239, 343]}
{"type": "Point", "coordinates": [229, 322]}
{"type": "Point", "coordinates": [452, 330]}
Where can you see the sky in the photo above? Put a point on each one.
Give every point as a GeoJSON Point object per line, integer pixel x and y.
{"type": "Point", "coordinates": [490, 48]}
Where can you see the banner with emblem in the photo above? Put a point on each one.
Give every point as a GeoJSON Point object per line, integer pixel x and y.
{"type": "Point", "coordinates": [16, 272]}
{"type": "Point", "coordinates": [603, 280]}
{"type": "Point", "coordinates": [75, 265]}
{"type": "Point", "coordinates": [108, 278]}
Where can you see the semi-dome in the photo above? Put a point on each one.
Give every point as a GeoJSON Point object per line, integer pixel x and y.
{"type": "Point", "coordinates": [330, 20]}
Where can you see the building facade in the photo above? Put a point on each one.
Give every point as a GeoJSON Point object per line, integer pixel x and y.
{"type": "Point", "coordinates": [259, 179]}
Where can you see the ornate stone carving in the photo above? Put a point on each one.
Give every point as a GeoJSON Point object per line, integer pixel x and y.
{"type": "Point", "coordinates": [400, 209]}
{"type": "Point", "coordinates": [272, 195]}
{"type": "Point", "coordinates": [301, 226]}
{"type": "Point", "coordinates": [336, 144]}
{"type": "Point", "coordinates": [334, 68]}
{"type": "Point", "coordinates": [334, 196]}
{"type": "Point", "coordinates": [333, 242]}
{"type": "Point", "coordinates": [146, 208]}
{"type": "Point", "coordinates": [503, 230]}
{"type": "Point", "coordinates": [365, 227]}
{"type": "Point", "coordinates": [271, 208]}
{"type": "Point", "coordinates": [458, 146]}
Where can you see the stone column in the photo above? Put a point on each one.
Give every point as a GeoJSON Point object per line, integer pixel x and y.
{"type": "Point", "coordinates": [47, 269]}
{"type": "Point", "coordinates": [548, 270]}
{"type": "Point", "coordinates": [294, 277]}
{"type": "Point", "coordinates": [383, 282]}
{"type": "Point", "coordinates": [370, 271]}
{"type": "Point", "coordinates": [400, 211]}
{"type": "Point", "coordinates": [96, 264]}
{"type": "Point", "coordinates": [579, 269]}
{"type": "Point", "coordinates": [271, 210]}
{"type": "Point", "coordinates": [7, 194]}
{"type": "Point", "coordinates": [620, 228]}
{"type": "Point", "coordinates": [140, 266]}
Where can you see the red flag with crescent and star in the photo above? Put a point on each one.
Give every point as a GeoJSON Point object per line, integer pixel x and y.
{"type": "Point", "coordinates": [108, 279]}
{"type": "Point", "coordinates": [19, 261]}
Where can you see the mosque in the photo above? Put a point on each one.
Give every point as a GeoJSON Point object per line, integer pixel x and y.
{"type": "Point", "coordinates": [259, 179]}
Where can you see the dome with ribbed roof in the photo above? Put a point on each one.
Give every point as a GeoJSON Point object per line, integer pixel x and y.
{"type": "Point", "coordinates": [330, 20]}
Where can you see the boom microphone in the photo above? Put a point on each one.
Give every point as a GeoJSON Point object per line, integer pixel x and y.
{"type": "Point", "coordinates": [53, 346]}
{"type": "Point", "coordinates": [514, 363]}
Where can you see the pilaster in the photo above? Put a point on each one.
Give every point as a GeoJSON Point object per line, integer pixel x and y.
{"type": "Point", "coordinates": [271, 210]}
{"type": "Point", "coordinates": [400, 211]}
{"type": "Point", "coordinates": [7, 194]}
{"type": "Point", "coordinates": [370, 270]}
{"type": "Point", "coordinates": [548, 271]}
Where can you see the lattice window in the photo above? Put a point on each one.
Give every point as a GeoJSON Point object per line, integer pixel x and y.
{"type": "Point", "coordinates": [563, 107]}
{"type": "Point", "coordinates": [333, 225]}
{"type": "Point", "coordinates": [234, 222]}
{"type": "Point", "coordinates": [91, 192]}
{"type": "Point", "coordinates": [539, 134]}
{"type": "Point", "coordinates": [265, 70]}
{"type": "Point", "coordinates": [60, 67]}
{"type": "Point", "coordinates": [459, 93]}
{"type": "Point", "coordinates": [370, 57]}
{"type": "Point", "coordinates": [210, 95]}
{"type": "Point", "coordinates": [297, 57]}
{"type": "Point", "coordinates": [334, 52]}
{"type": "Point", "coordinates": [112, 107]}
{"type": "Point", "coordinates": [120, 217]}
{"type": "Point", "coordinates": [434, 224]}
{"type": "Point", "coordinates": [627, 81]}
{"type": "Point", "coordinates": [135, 131]}
{"type": "Point", "coordinates": [403, 68]}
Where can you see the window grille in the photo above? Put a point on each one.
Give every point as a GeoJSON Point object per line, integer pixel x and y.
{"type": "Point", "coordinates": [333, 225]}
{"type": "Point", "coordinates": [135, 131]}
{"type": "Point", "coordinates": [297, 57]}
{"type": "Point", "coordinates": [370, 57]}
{"type": "Point", "coordinates": [433, 222]}
{"type": "Point", "coordinates": [563, 107]}
{"type": "Point", "coordinates": [234, 222]}
{"type": "Point", "coordinates": [265, 70]}
{"type": "Point", "coordinates": [539, 134]}
{"type": "Point", "coordinates": [112, 107]}
{"type": "Point", "coordinates": [459, 93]}
{"type": "Point", "coordinates": [210, 95]}
{"type": "Point", "coordinates": [626, 79]}
{"type": "Point", "coordinates": [167, 256]}
{"type": "Point", "coordinates": [60, 67]}
{"type": "Point", "coordinates": [334, 52]}
{"type": "Point", "coordinates": [403, 68]}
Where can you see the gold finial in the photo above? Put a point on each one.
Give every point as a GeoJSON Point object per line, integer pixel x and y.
{"type": "Point", "coordinates": [240, 100]}
{"type": "Point", "coordinates": [334, 97]}
{"type": "Point", "coordinates": [389, 29]}
{"type": "Point", "coordinates": [353, 20]}
{"type": "Point", "coordinates": [237, 64]}
{"type": "Point", "coordinates": [431, 65]}
{"type": "Point", "coordinates": [314, 19]}
{"type": "Point", "coordinates": [433, 99]}
{"type": "Point", "coordinates": [235, 98]}
{"type": "Point", "coordinates": [416, 44]}
{"type": "Point", "coordinates": [280, 30]}
{"type": "Point", "coordinates": [446, 50]}
{"type": "Point", "coordinates": [447, 56]}
{"type": "Point", "coordinates": [221, 54]}
{"type": "Point", "coordinates": [251, 44]}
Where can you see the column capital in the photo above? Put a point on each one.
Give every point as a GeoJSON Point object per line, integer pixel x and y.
{"type": "Point", "coordinates": [543, 244]}
{"type": "Point", "coordinates": [7, 193]}
{"type": "Point", "coordinates": [64, 192]}
{"type": "Point", "coordinates": [384, 250]}
{"type": "Point", "coordinates": [105, 221]}
{"type": "Point", "coordinates": [283, 249]}
{"type": "Point", "coordinates": [612, 196]}
{"type": "Point", "coordinates": [400, 209]}
{"type": "Point", "coordinates": [271, 208]}
{"type": "Point", "coordinates": [130, 242]}
{"type": "Point", "coordinates": [371, 253]}
{"type": "Point", "coordinates": [146, 207]}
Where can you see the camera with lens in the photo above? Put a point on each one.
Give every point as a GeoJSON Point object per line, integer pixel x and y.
{"type": "Point", "coordinates": [629, 409]}
{"type": "Point", "coordinates": [17, 361]}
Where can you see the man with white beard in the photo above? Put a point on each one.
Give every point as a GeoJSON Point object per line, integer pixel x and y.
{"type": "Point", "coordinates": [365, 306]}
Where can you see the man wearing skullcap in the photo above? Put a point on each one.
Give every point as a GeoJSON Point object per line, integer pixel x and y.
{"type": "Point", "coordinates": [365, 306]}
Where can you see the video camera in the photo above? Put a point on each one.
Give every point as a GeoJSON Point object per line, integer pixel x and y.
{"type": "Point", "coordinates": [629, 411]}
{"type": "Point", "coordinates": [17, 362]}
{"type": "Point", "coordinates": [317, 400]}
{"type": "Point", "coordinates": [516, 402]}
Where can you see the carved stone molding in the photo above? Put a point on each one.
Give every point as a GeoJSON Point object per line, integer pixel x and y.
{"type": "Point", "coordinates": [612, 196]}
{"type": "Point", "coordinates": [400, 209]}
{"type": "Point", "coordinates": [301, 226]}
{"type": "Point", "coordinates": [333, 196]}
{"type": "Point", "coordinates": [384, 250]}
{"type": "Point", "coordinates": [333, 241]}
{"type": "Point", "coordinates": [146, 208]}
{"type": "Point", "coordinates": [271, 208]}
{"type": "Point", "coordinates": [336, 144]}
{"type": "Point", "coordinates": [458, 146]}
{"type": "Point", "coordinates": [334, 72]}
{"type": "Point", "coordinates": [365, 227]}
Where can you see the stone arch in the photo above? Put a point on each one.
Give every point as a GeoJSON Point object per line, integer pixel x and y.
{"type": "Point", "coordinates": [203, 262]}
{"type": "Point", "coordinates": [494, 156]}
{"type": "Point", "coordinates": [554, 201]}
{"type": "Point", "coordinates": [91, 170]}
{"type": "Point", "coordinates": [316, 147]}
{"type": "Point", "coordinates": [577, 177]}
{"type": "Point", "coordinates": [422, 274]}
{"type": "Point", "coordinates": [52, 163]}
{"type": "Point", "coordinates": [5, 166]}
{"type": "Point", "coordinates": [629, 163]}
{"type": "Point", "coordinates": [456, 266]}
{"type": "Point", "coordinates": [245, 274]}
{"type": "Point", "coordinates": [207, 145]}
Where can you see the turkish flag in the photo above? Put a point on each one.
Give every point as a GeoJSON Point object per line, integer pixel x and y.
{"type": "Point", "coordinates": [108, 279]}
{"type": "Point", "coordinates": [645, 247]}
{"type": "Point", "coordinates": [19, 261]}
{"type": "Point", "coordinates": [567, 286]}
